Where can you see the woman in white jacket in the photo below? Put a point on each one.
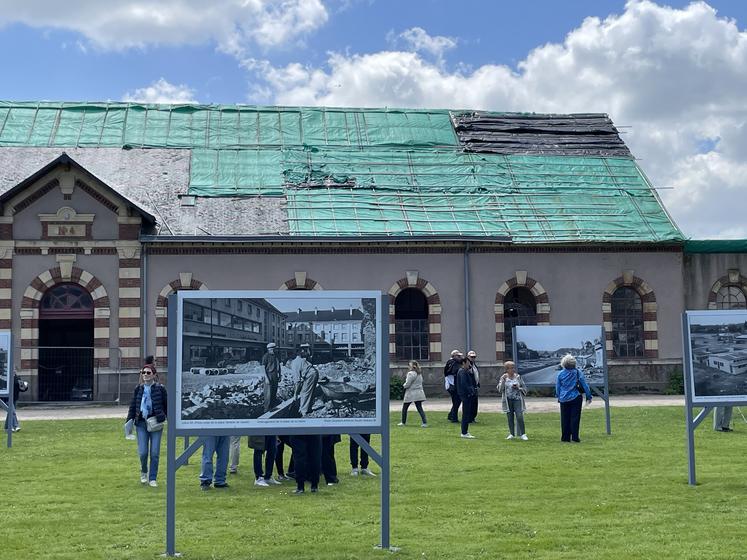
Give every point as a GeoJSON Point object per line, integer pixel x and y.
{"type": "Point", "coordinates": [413, 393]}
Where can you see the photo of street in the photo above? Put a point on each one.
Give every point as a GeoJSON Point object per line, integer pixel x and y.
{"type": "Point", "coordinates": [539, 349]}
{"type": "Point", "coordinates": [260, 359]}
{"type": "Point", "coordinates": [718, 344]}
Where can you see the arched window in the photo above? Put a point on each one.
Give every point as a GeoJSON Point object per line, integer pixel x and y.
{"type": "Point", "coordinates": [627, 323]}
{"type": "Point", "coordinates": [519, 308]}
{"type": "Point", "coordinates": [730, 297]}
{"type": "Point", "coordinates": [66, 301]}
{"type": "Point", "coordinates": [411, 325]}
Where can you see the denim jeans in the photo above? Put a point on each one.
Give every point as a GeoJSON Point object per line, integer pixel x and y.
{"type": "Point", "coordinates": [218, 446]}
{"type": "Point", "coordinates": [514, 410]}
{"type": "Point", "coordinates": [148, 442]}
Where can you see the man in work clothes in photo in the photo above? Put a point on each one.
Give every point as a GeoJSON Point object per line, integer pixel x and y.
{"type": "Point", "coordinates": [306, 377]}
{"type": "Point", "coordinates": [271, 363]}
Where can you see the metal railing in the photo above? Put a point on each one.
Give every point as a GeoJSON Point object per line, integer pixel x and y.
{"type": "Point", "coordinates": [70, 374]}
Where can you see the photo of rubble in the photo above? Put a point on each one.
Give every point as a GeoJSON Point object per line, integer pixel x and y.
{"type": "Point", "coordinates": [539, 350]}
{"type": "Point", "coordinates": [718, 352]}
{"type": "Point", "coordinates": [290, 358]}
{"type": "Point", "coordinates": [4, 362]}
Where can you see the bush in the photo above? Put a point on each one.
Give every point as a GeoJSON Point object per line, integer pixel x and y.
{"type": "Point", "coordinates": [676, 384]}
{"type": "Point", "coordinates": [396, 388]}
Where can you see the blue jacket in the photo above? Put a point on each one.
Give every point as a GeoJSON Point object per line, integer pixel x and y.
{"type": "Point", "coordinates": [159, 399]}
{"type": "Point", "coordinates": [565, 385]}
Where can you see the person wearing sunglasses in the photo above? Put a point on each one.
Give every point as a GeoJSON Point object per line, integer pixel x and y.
{"type": "Point", "coordinates": [148, 400]}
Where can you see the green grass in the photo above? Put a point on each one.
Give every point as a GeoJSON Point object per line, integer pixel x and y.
{"type": "Point", "coordinates": [71, 490]}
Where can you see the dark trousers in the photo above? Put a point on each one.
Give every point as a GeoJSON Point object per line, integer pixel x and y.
{"type": "Point", "coordinates": [455, 402]}
{"type": "Point", "coordinates": [354, 447]}
{"type": "Point", "coordinates": [307, 455]}
{"type": "Point", "coordinates": [269, 453]}
{"type": "Point", "coordinates": [466, 413]}
{"type": "Point", "coordinates": [473, 412]}
{"type": "Point", "coordinates": [329, 464]}
{"type": "Point", "coordinates": [279, 450]}
{"type": "Point", "coordinates": [570, 419]}
{"type": "Point", "coordinates": [418, 405]}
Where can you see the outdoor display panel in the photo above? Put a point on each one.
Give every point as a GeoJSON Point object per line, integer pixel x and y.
{"type": "Point", "coordinates": [324, 371]}
{"type": "Point", "coordinates": [539, 349]}
{"type": "Point", "coordinates": [716, 356]}
{"type": "Point", "coordinates": [4, 362]}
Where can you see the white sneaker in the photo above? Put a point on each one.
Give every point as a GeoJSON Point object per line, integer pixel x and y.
{"type": "Point", "coordinates": [400, 424]}
{"type": "Point", "coordinates": [153, 484]}
{"type": "Point", "coordinates": [354, 472]}
{"type": "Point", "coordinates": [423, 425]}
{"type": "Point", "coordinates": [272, 481]}
{"type": "Point", "coordinates": [367, 472]}
{"type": "Point", "coordinates": [510, 436]}
{"type": "Point", "coordinates": [261, 482]}
{"type": "Point", "coordinates": [524, 437]}
{"type": "Point", "coordinates": [468, 436]}
{"type": "Point", "coordinates": [143, 478]}
{"type": "Point", "coordinates": [233, 471]}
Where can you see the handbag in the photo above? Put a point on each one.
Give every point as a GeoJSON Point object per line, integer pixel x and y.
{"type": "Point", "coordinates": [153, 424]}
{"type": "Point", "coordinates": [579, 387]}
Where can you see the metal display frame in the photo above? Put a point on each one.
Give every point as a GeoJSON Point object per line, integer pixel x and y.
{"type": "Point", "coordinates": [691, 400]}
{"type": "Point", "coordinates": [174, 461]}
{"type": "Point", "coordinates": [9, 408]}
{"type": "Point", "coordinates": [602, 390]}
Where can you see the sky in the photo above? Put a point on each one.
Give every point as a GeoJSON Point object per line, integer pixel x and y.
{"type": "Point", "coordinates": [672, 76]}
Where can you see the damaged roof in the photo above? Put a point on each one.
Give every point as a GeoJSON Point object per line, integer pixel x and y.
{"type": "Point", "coordinates": [350, 172]}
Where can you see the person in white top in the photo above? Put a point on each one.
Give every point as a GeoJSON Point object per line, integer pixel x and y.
{"type": "Point", "coordinates": [414, 393]}
{"type": "Point", "coordinates": [511, 386]}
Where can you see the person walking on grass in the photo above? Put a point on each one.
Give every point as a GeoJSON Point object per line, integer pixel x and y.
{"type": "Point", "coordinates": [354, 448]}
{"type": "Point", "coordinates": [568, 386]}
{"type": "Point", "coordinates": [218, 446]}
{"type": "Point", "coordinates": [264, 448]}
{"type": "Point", "coordinates": [467, 389]}
{"type": "Point", "coordinates": [472, 359]}
{"type": "Point", "coordinates": [148, 400]}
{"type": "Point", "coordinates": [414, 393]}
{"type": "Point", "coordinates": [451, 368]}
{"type": "Point", "coordinates": [512, 389]}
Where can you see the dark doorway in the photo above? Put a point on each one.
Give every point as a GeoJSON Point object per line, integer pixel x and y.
{"type": "Point", "coordinates": [411, 325]}
{"type": "Point", "coordinates": [519, 309]}
{"type": "Point", "coordinates": [66, 344]}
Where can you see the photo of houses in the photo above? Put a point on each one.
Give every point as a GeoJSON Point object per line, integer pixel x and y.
{"type": "Point", "coordinates": [539, 349]}
{"type": "Point", "coordinates": [718, 348]}
{"type": "Point", "coordinates": [290, 357]}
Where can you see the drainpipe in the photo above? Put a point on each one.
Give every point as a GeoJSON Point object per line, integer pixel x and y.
{"type": "Point", "coordinates": [467, 322]}
{"type": "Point", "coordinates": [144, 300]}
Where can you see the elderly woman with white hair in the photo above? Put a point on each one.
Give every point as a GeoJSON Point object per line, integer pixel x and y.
{"type": "Point", "coordinates": [568, 387]}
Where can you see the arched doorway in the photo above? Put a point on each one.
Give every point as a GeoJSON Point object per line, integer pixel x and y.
{"type": "Point", "coordinates": [519, 309]}
{"type": "Point", "coordinates": [66, 330]}
{"type": "Point", "coordinates": [411, 325]}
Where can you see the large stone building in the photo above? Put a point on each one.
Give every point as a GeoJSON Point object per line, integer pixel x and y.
{"type": "Point", "coordinates": [470, 222]}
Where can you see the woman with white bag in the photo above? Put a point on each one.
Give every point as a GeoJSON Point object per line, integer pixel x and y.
{"type": "Point", "coordinates": [148, 410]}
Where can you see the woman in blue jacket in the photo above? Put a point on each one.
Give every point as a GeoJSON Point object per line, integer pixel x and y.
{"type": "Point", "coordinates": [149, 399]}
{"type": "Point", "coordinates": [567, 386]}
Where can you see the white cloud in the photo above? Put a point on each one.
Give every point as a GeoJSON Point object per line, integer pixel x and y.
{"type": "Point", "coordinates": [161, 91]}
{"type": "Point", "coordinates": [675, 76]}
{"type": "Point", "coordinates": [231, 24]}
{"type": "Point", "coordinates": [420, 41]}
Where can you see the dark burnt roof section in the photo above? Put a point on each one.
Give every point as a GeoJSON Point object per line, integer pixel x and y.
{"type": "Point", "coordinates": [581, 134]}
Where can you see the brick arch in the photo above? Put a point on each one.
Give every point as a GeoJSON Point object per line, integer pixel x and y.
{"type": "Point", "coordinates": [650, 321]}
{"type": "Point", "coordinates": [184, 282]}
{"type": "Point", "coordinates": [300, 282]}
{"type": "Point", "coordinates": [732, 279]}
{"type": "Point", "coordinates": [434, 315]}
{"type": "Point", "coordinates": [30, 313]}
{"type": "Point", "coordinates": [519, 280]}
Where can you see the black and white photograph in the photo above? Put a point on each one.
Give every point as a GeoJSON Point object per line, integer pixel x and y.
{"type": "Point", "coordinates": [4, 361]}
{"type": "Point", "coordinates": [718, 352]}
{"type": "Point", "coordinates": [291, 358]}
{"type": "Point", "coordinates": [539, 349]}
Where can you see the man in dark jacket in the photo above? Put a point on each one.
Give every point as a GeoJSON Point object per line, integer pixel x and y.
{"type": "Point", "coordinates": [467, 389]}
{"type": "Point", "coordinates": [450, 373]}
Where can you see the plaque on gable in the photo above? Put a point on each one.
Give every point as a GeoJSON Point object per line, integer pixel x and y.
{"type": "Point", "coordinates": [66, 223]}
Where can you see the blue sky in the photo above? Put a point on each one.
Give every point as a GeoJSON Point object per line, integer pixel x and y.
{"type": "Point", "coordinates": [672, 75]}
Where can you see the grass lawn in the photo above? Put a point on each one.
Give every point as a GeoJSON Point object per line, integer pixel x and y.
{"type": "Point", "coordinates": [72, 490]}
